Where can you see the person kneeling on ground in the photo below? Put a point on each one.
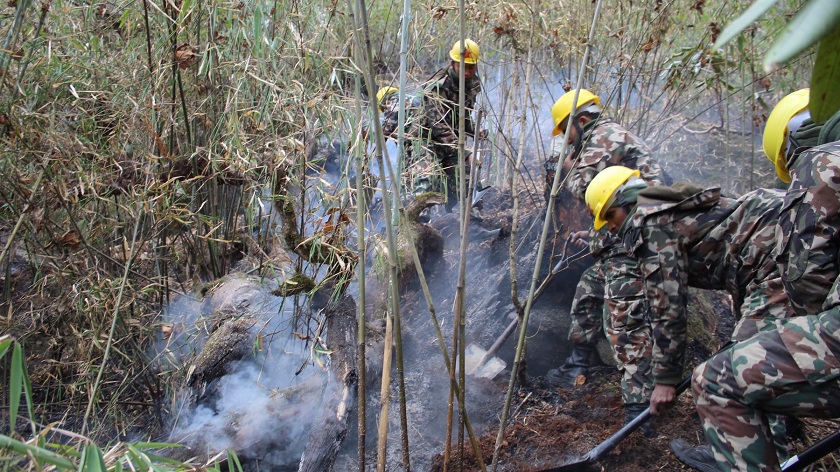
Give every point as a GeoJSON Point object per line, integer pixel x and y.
{"type": "Point", "coordinates": [686, 236]}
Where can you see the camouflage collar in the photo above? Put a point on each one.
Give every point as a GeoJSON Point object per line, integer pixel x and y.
{"type": "Point", "coordinates": [588, 128]}
{"type": "Point", "coordinates": [454, 76]}
{"type": "Point", "coordinates": [658, 199]}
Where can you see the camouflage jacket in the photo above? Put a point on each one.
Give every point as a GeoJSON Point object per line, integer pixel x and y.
{"type": "Point", "coordinates": [705, 241]}
{"type": "Point", "coordinates": [390, 117]}
{"type": "Point", "coordinates": [808, 234]}
{"type": "Point", "coordinates": [605, 144]}
{"type": "Point", "coordinates": [439, 120]}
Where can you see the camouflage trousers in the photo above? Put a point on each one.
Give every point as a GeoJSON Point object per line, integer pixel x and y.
{"type": "Point", "coordinates": [435, 174]}
{"type": "Point", "coordinates": [610, 298]}
{"type": "Point", "coordinates": [739, 391]}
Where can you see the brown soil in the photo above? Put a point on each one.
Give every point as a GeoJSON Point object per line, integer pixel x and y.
{"type": "Point", "coordinates": [554, 425]}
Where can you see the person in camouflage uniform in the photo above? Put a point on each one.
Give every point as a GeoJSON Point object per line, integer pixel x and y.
{"type": "Point", "coordinates": [808, 235]}
{"type": "Point", "coordinates": [389, 107]}
{"type": "Point", "coordinates": [439, 120]}
{"type": "Point", "coordinates": [794, 370]}
{"type": "Point", "coordinates": [685, 236]}
{"type": "Point", "coordinates": [610, 291]}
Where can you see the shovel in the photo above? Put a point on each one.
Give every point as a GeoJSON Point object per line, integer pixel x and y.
{"type": "Point", "coordinates": [481, 363]}
{"type": "Point", "coordinates": [812, 454]}
{"type": "Point", "coordinates": [582, 463]}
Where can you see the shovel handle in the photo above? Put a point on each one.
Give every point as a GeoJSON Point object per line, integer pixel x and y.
{"type": "Point", "coordinates": [813, 453]}
{"type": "Point", "coordinates": [633, 425]}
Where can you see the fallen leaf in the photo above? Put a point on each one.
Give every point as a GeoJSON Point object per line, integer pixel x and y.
{"type": "Point", "coordinates": [714, 30]}
{"type": "Point", "coordinates": [186, 55]}
{"type": "Point", "coordinates": [70, 238]}
{"type": "Point", "coordinates": [766, 83]}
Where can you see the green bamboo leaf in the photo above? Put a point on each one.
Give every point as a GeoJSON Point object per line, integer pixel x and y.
{"type": "Point", "coordinates": [37, 453]}
{"type": "Point", "coordinates": [4, 346]}
{"type": "Point", "coordinates": [825, 95]}
{"type": "Point", "coordinates": [233, 460]}
{"type": "Point", "coordinates": [753, 13]}
{"type": "Point", "coordinates": [815, 20]}
{"type": "Point", "coordinates": [156, 445]}
{"type": "Point", "coordinates": [15, 385]}
{"type": "Point", "coordinates": [92, 460]}
{"type": "Point", "coordinates": [27, 391]}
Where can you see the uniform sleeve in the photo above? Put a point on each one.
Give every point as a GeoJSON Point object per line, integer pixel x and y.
{"type": "Point", "coordinates": [629, 150]}
{"type": "Point", "coordinates": [435, 116]}
{"type": "Point", "coordinates": [469, 105]}
{"type": "Point", "coordinates": [649, 168]}
{"type": "Point", "coordinates": [590, 163]}
{"type": "Point", "coordinates": [390, 117]}
{"type": "Point", "coordinates": [806, 235]}
{"type": "Point", "coordinates": [664, 268]}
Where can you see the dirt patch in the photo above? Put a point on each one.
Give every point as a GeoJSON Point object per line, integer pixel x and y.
{"type": "Point", "coordinates": [554, 425]}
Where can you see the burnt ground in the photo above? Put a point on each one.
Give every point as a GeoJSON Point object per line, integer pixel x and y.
{"type": "Point", "coordinates": [553, 426]}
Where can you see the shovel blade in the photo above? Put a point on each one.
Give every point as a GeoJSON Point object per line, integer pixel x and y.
{"type": "Point", "coordinates": [572, 464]}
{"type": "Point", "coordinates": [474, 354]}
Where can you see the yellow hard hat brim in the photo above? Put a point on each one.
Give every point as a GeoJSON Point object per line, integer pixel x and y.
{"type": "Point", "coordinates": [781, 170]}
{"type": "Point", "coordinates": [599, 223]}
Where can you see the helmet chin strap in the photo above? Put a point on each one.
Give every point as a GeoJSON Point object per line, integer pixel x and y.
{"type": "Point", "coordinates": [791, 145]}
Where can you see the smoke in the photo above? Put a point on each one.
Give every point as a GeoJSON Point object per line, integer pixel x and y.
{"type": "Point", "coordinates": [261, 406]}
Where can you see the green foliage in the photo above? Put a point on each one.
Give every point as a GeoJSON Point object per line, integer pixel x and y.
{"type": "Point", "coordinates": [751, 15]}
{"type": "Point", "coordinates": [76, 452]}
{"type": "Point", "coordinates": [825, 98]}
{"type": "Point", "coordinates": [817, 22]}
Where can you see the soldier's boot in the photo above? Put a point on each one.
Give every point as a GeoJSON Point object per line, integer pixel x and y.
{"type": "Point", "coordinates": [576, 364]}
{"type": "Point", "coordinates": [699, 458]}
{"type": "Point", "coordinates": [632, 410]}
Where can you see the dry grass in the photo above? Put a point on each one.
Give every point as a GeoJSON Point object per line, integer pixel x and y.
{"type": "Point", "coordinates": [137, 137]}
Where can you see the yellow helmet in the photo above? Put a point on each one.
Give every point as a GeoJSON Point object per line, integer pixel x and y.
{"type": "Point", "coordinates": [471, 52]}
{"type": "Point", "coordinates": [776, 129]}
{"type": "Point", "coordinates": [600, 194]}
{"type": "Point", "coordinates": [383, 94]}
{"type": "Point", "coordinates": [563, 106]}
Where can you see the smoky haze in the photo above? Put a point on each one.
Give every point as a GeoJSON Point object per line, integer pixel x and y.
{"type": "Point", "coordinates": [261, 406]}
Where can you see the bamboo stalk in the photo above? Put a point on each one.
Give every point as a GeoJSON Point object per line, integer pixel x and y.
{"type": "Point", "coordinates": [384, 395]}
{"type": "Point", "coordinates": [406, 18]}
{"type": "Point", "coordinates": [393, 286]}
{"type": "Point", "coordinates": [460, 294]}
{"type": "Point", "coordinates": [441, 343]}
{"type": "Point", "coordinates": [457, 350]}
{"type": "Point", "coordinates": [11, 37]}
{"type": "Point", "coordinates": [523, 326]}
{"type": "Point", "coordinates": [514, 229]}
{"type": "Point", "coordinates": [361, 368]}
{"type": "Point", "coordinates": [44, 10]}
{"type": "Point", "coordinates": [23, 214]}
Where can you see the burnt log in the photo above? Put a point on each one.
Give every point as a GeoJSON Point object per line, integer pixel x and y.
{"type": "Point", "coordinates": [330, 427]}
{"type": "Point", "coordinates": [230, 342]}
